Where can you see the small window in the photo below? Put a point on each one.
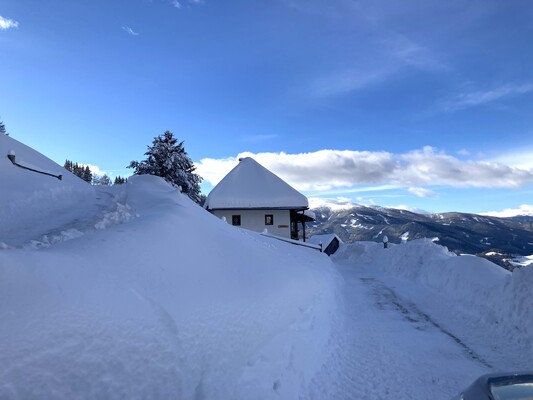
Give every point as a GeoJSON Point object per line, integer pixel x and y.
{"type": "Point", "coordinates": [236, 220]}
{"type": "Point", "coordinates": [269, 219]}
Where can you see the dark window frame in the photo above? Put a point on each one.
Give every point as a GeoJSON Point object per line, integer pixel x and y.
{"type": "Point", "coordinates": [267, 217]}
{"type": "Point", "coordinates": [236, 220]}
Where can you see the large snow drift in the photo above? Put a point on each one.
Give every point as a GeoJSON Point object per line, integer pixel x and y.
{"type": "Point", "coordinates": [146, 295]}
{"type": "Point", "coordinates": [28, 199]}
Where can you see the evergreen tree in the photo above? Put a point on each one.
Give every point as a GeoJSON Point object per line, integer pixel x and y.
{"type": "Point", "coordinates": [203, 198]}
{"type": "Point", "coordinates": [87, 175]}
{"type": "Point", "coordinates": [74, 168]}
{"type": "Point", "coordinates": [120, 180]}
{"type": "Point", "coordinates": [168, 159]}
{"type": "Point", "coordinates": [68, 165]}
{"type": "Point", "coordinates": [2, 128]}
{"type": "Point", "coordinates": [79, 170]}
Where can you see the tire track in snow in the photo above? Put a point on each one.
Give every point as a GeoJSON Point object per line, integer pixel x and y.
{"type": "Point", "coordinates": [385, 348]}
{"type": "Point", "coordinates": [413, 314]}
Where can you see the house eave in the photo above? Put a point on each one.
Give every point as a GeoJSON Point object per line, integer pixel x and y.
{"type": "Point", "coordinates": [288, 208]}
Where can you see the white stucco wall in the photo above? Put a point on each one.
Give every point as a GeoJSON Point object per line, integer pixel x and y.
{"type": "Point", "coordinates": [254, 220]}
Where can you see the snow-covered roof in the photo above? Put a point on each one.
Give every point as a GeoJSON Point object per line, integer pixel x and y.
{"type": "Point", "coordinates": [310, 214]}
{"type": "Point", "coordinates": [325, 239]}
{"type": "Point", "coordinates": [250, 185]}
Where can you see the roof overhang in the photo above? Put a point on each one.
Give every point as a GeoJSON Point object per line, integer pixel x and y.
{"type": "Point", "coordinates": [258, 208]}
{"type": "Point", "coordinates": [301, 216]}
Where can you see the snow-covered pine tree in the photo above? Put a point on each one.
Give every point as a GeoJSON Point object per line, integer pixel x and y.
{"type": "Point", "coordinates": [2, 128]}
{"type": "Point", "coordinates": [168, 159]}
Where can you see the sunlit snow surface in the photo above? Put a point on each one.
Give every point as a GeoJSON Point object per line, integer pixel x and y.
{"type": "Point", "coordinates": [168, 304]}
{"type": "Point", "coordinates": [136, 292]}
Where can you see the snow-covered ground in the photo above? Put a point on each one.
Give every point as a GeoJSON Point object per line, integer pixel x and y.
{"type": "Point", "coordinates": [420, 322]}
{"type": "Point", "coordinates": [490, 295]}
{"type": "Point", "coordinates": [136, 292]}
{"type": "Point", "coordinates": [133, 291]}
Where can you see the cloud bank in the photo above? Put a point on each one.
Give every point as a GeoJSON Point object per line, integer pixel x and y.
{"type": "Point", "coordinates": [524, 209]}
{"type": "Point", "coordinates": [336, 204]}
{"type": "Point", "coordinates": [326, 170]}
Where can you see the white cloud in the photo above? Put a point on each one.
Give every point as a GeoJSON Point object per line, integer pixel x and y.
{"type": "Point", "coordinates": [414, 55]}
{"type": "Point", "coordinates": [342, 82]}
{"type": "Point", "coordinates": [478, 98]}
{"type": "Point", "coordinates": [336, 204]}
{"type": "Point", "coordinates": [422, 192]}
{"type": "Point", "coordinates": [330, 171]}
{"type": "Point", "coordinates": [410, 209]}
{"type": "Point", "coordinates": [213, 170]}
{"type": "Point", "coordinates": [519, 159]}
{"type": "Point", "coordinates": [179, 3]}
{"type": "Point", "coordinates": [524, 209]}
{"type": "Point", "coordinates": [360, 189]}
{"type": "Point", "coordinates": [129, 31]}
{"type": "Point", "coordinates": [345, 203]}
{"type": "Point", "coordinates": [383, 62]}
{"type": "Point", "coordinates": [260, 138]}
{"type": "Point", "coordinates": [6, 23]}
{"type": "Point", "coordinates": [95, 169]}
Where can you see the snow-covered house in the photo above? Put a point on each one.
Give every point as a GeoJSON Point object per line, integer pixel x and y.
{"type": "Point", "coordinates": [252, 197]}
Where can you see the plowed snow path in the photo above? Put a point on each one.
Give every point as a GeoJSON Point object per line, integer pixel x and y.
{"type": "Point", "coordinates": [396, 340]}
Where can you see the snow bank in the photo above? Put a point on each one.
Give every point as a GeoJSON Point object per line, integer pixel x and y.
{"type": "Point", "coordinates": [160, 300]}
{"type": "Point", "coordinates": [29, 199]}
{"type": "Point", "coordinates": [489, 293]}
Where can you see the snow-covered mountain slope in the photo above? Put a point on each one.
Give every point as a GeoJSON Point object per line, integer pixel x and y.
{"type": "Point", "coordinates": [147, 295]}
{"type": "Point", "coordinates": [460, 232]}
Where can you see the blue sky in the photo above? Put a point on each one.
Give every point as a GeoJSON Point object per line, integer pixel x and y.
{"type": "Point", "coordinates": [427, 105]}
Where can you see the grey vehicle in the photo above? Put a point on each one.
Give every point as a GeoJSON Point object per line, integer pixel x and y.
{"type": "Point", "coordinates": [501, 386]}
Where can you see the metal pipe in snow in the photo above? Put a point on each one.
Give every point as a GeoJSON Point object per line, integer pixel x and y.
{"type": "Point", "coordinates": [12, 158]}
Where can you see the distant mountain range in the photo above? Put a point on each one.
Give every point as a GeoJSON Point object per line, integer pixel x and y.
{"type": "Point", "coordinates": [491, 237]}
